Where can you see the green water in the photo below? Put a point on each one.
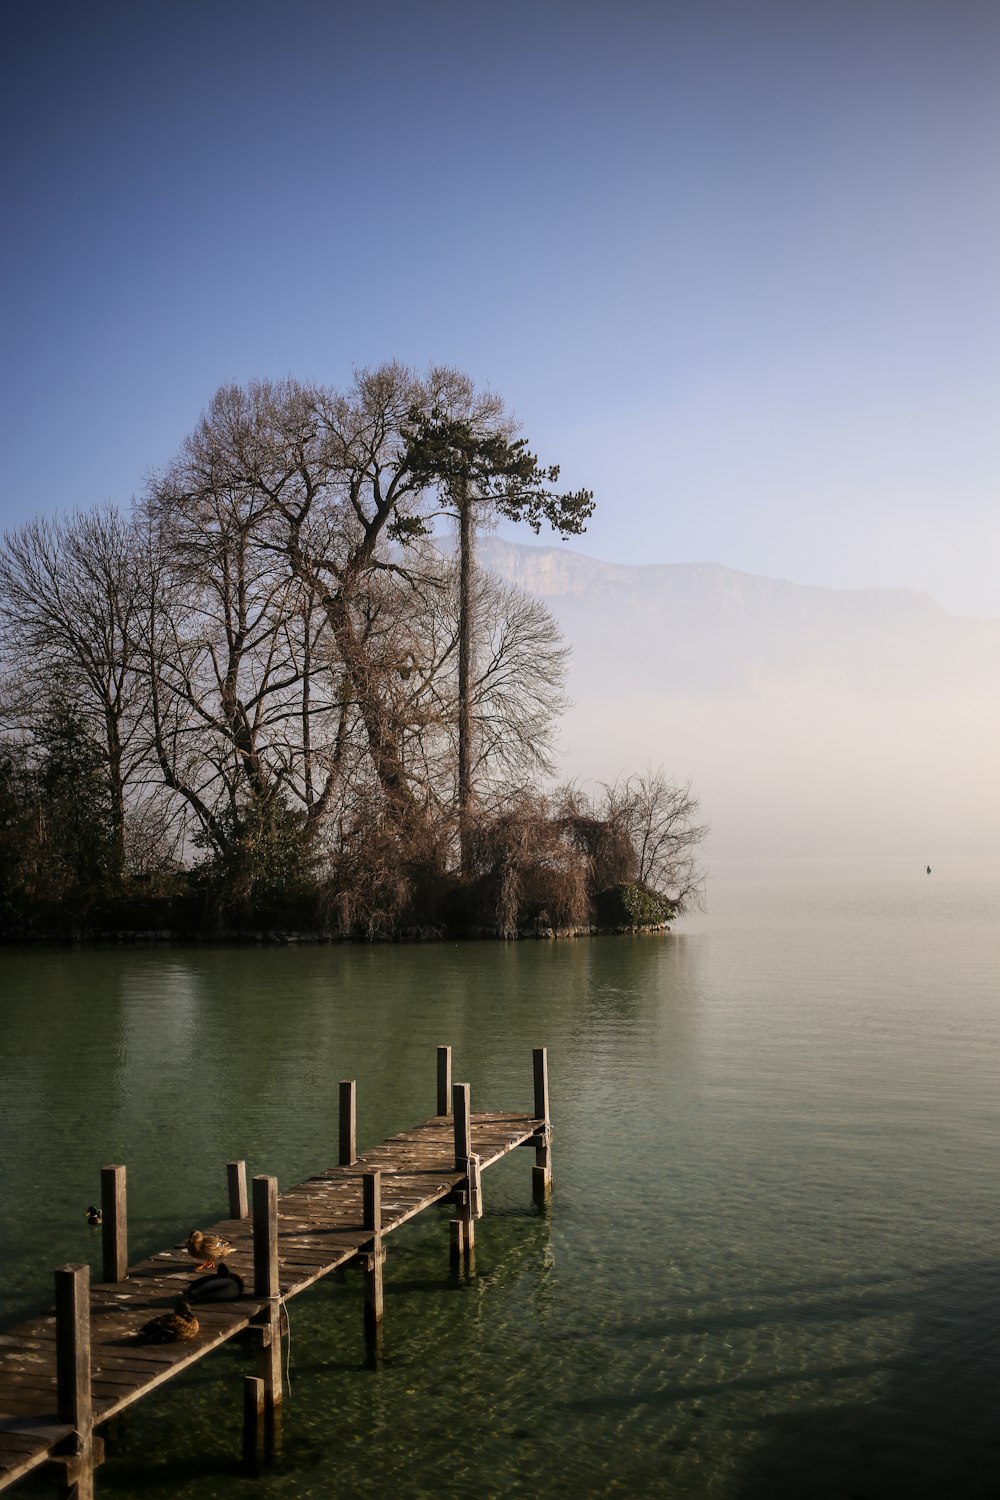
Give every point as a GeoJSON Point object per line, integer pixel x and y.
{"type": "Point", "coordinates": [770, 1263]}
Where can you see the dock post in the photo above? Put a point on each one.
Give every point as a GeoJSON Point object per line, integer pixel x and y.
{"type": "Point", "coordinates": [114, 1224]}
{"type": "Point", "coordinates": [373, 1259]}
{"type": "Point", "coordinates": [475, 1187]}
{"type": "Point", "coordinates": [348, 1122]}
{"type": "Point", "coordinates": [444, 1080]}
{"type": "Point", "coordinates": [541, 1174]}
{"type": "Point", "coordinates": [236, 1181]}
{"type": "Point", "coordinates": [266, 1283]}
{"type": "Point", "coordinates": [74, 1399]}
{"type": "Point", "coordinates": [463, 1230]}
{"type": "Point", "coordinates": [463, 1125]}
{"type": "Point", "coordinates": [253, 1422]}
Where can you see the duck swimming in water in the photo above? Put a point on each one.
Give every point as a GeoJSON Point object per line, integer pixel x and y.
{"type": "Point", "coordinates": [93, 1214]}
{"type": "Point", "coordinates": [170, 1328]}
{"type": "Point", "coordinates": [207, 1249]}
{"type": "Point", "coordinates": [220, 1285]}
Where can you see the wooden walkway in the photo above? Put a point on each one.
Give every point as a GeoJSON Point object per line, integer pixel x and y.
{"type": "Point", "coordinates": [63, 1374]}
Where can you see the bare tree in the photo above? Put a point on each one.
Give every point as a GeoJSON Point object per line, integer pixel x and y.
{"type": "Point", "coordinates": [317, 477]}
{"type": "Point", "coordinates": [69, 594]}
{"type": "Point", "coordinates": [658, 818]}
{"type": "Point", "coordinates": [245, 722]}
{"type": "Point", "coordinates": [340, 489]}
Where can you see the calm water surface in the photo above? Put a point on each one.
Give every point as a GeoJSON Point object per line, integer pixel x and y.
{"type": "Point", "coordinates": [770, 1267]}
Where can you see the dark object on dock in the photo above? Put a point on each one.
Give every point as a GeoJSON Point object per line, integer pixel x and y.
{"type": "Point", "coordinates": [93, 1214]}
{"type": "Point", "coordinates": [207, 1249]}
{"type": "Point", "coordinates": [170, 1328]}
{"type": "Point", "coordinates": [220, 1285]}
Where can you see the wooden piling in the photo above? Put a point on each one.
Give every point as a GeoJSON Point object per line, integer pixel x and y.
{"type": "Point", "coordinates": [265, 1237]}
{"type": "Point", "coordinates": [74, 1399]}
{"type": "Point", "coordinates": [348, 1122]}
{"type": "Point", "coordinates": [444, 1080]}
{"type": "Point", "coordinates": [463, 1125]}
{"type": "Point", "coordinates": [463, 1232]}
{"type": "Point", "coordinates": [236, 1181]}
{"type": "Point", "coordinates": [540, 1061]}
{"type": "Point", "coordinates": [541, 1173]}
{"type": "Point", "coordinates": [475, 1188]}
{"type": "Point", "coordinates": [373, 1257]}
{"type": "Point", "coordinates": [114, 1224]}
{"type": "Point", "coordinates": [266, 1284]}
{"type": "Point", "coordinates": [254, 1422]}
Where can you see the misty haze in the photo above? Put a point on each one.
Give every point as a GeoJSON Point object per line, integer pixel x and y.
{"type": "Point", "coordinates": [809, 720]}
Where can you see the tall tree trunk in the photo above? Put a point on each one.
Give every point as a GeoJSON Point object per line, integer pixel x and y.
{"type": "Point", "coordinates": [380, 731]}
{"type": "Point", "coordinates": [466, 565]}
{"type": "Point", "coordinates": [116, 781]}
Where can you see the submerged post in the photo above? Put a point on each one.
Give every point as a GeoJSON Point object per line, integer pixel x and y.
{"type": "Point", "coordinates": [114, 1224]}
{"type": "Point", "coordinates": [348, 1122]}
{"type": "Point", "coordinates": [463, 1232]}
{"type": "Point", "coordinates": [74, 1399]}
{"type": "Point", "coordinates": [444, 1080]}
{"type": "Point", "coordinates": [541, 1173]}
{"type": "Point", "coordinates": [266, 1283]}
{"type": "Point", "coordinates": [236, 1181]}
{"type": "Point", "coordinates": [254, 1422]}
{"type": "Point", "coordinates": [373, 1258]}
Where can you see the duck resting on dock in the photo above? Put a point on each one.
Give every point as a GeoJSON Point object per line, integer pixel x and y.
{"type": "Point", "coordinates": [220, 1285]}
{"type": "Point", "coordinates": [207, 1249]}
{"type": "Point", "coordinates": [93, 1214]}
{"type": "Point", "coordinates": [171, 1327]}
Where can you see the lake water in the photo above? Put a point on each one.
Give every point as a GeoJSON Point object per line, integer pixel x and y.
{"type": "Point", "coordinates": [770, 1266]}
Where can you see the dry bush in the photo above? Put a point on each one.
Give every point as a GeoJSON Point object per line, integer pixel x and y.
{"type": "Point", "coordinates": [529, 872]}
{"type": "Point", "coordinates": [604, 841]}
{"type": "Point", "coordinates": [383, 880]}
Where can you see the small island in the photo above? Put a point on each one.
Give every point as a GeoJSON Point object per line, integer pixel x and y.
{"type": "Point", "coordinates": [275, 699]}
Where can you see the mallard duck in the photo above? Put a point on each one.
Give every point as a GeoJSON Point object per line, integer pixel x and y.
{"type": "Point", "coordinates": [220, 1285]}
{"type": "Point", "coordinates": [170, 1328]}
{"type": "Point", "coordinates": [207, 1249]}
{"type": "Point", "coordinates": [93, 1214]}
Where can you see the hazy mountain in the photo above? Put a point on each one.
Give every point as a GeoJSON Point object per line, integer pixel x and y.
{"type": "Point", "coordinates": [807, 719]}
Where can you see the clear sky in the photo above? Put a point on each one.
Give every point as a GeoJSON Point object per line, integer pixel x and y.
{"type": "Point", "coordinates": [736, 266]}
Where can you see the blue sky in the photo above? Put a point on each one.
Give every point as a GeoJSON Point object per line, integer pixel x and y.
{"type": "Point", "coordinates": [736, 266]}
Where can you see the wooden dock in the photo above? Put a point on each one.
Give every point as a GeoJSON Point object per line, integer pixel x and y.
{"type": "Point", "coordinates": [64, 1374]}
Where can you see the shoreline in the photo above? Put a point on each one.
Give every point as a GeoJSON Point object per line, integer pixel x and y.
{"type": "Point", "coordinates": [278, 938]}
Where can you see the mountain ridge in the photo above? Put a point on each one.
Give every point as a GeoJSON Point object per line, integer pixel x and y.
{"type": "Point", "coordinates": [809, 720]}
{"type": "Point", "coordinates": [539, 566]}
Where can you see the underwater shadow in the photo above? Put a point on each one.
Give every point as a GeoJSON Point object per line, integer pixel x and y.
{"type": "Point", "coordinates": [934, 1430]}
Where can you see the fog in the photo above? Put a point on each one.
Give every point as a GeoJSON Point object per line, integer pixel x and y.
{"type": "Point", "coordinates": [808, 721]}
